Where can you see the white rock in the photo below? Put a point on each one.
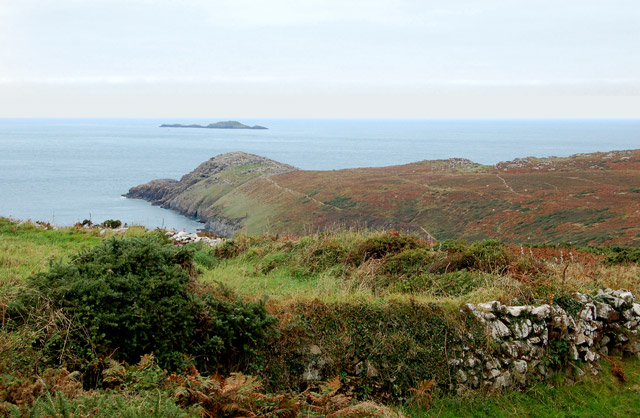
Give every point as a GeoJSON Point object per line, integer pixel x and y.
{"type": "Point", "coordinates": [499, 329]}
{"type": "Point", "coordinates": [535, 340]}
{"type": "Point", "coordinates": [587, 312]}
{"type": "Point", "coordinates": [541, 312]}
{"type": "Point", "coordinates": [573, 353]}
{"type": "Point", "coordinates": [517, 310]}
{"type": "Point", "coordinates": [545, 336]}
{"type": "Point", "coordinates": [492, 364]}
{"type": "Point", "coordinates": [602, 311]}
{"type": "Point", "coordinates": [589, 356]}
{"type": "Point", "coordinates": [520, 366]}
{"type": "Point", "coordinates": [627, 297]}
{"type": "Point", "coordinates": [503, 381]}
{"type": "Point", "coordinates": [581, 297]}
{"type": "Point", "coordinates": [561, 321]}
{"type": "Point", "coordinates": [461, 375]}
{"type": "Point", "coordinates": [538, 328]}
{"type": "Point", "coordinates": [522, 329]}
{"type": "Point", "coordinates": [455, 362]}
{"type": "Point", "coordinates": [510, 349]}
{"type": "Point", "coordinates": [636, 309]}
{"type": "Point", "coordinates": [492, 306]}
{"type": "Point", "coordinates": [628, 314]}
{"type": "Point", "coordinates": [471, 362]}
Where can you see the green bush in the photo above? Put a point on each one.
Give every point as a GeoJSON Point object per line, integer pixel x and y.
{"type": "Point", "coordinates": [384, 245]}
{"type": "Point", "coordinates": [409, 261]}
{"type": "Point", "coordinates": [489, 256]}
{"type": "Point", "coordinates": [112, 223]}
{"type": "Point", "coordinates": [616, 254]}
{"type": "Point", "coordinates": [131, 296]}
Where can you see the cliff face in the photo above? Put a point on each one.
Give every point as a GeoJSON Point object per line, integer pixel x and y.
{"type": "Point", "coordinates": [198, 193]}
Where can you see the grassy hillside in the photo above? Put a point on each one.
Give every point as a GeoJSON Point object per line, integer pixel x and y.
{"type": "Point", "coordinates": [584, 199]}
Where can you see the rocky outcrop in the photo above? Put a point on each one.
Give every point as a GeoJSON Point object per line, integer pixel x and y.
{"type": "Point", "coordinates": [154, 191]}
{"type": "Point", "coordinates": [182, 237]}
{"type": "Point", "coordinates": [196, 194]}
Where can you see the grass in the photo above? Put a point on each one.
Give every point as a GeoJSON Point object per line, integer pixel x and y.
{"type": "Point", "coordinates": [322, 266]}
{"type": "Point", "coordinates": [595, 396]}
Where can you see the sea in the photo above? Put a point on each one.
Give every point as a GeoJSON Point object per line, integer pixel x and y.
{"type": "Point", "coordinates": [63, 171]}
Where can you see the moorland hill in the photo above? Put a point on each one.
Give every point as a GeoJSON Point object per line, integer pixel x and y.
{"type": "Point", "coordinates": [582, 199]}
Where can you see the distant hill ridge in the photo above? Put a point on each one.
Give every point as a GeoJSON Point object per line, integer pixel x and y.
{"type": "Point", "coordinates": [583, 199]}
{"type": "Point", "coordinates": [229, 124]}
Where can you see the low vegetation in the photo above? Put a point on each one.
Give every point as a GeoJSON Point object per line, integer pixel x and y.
{"type": "Point", "coordinates": [131, 325]}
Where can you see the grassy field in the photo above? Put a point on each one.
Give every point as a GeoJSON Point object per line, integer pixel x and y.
{"type": "Point", "coordinates": [332, 287]}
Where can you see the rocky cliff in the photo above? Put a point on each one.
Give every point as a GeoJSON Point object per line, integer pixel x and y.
{"type": "Point", "coordinates": [198, 193]}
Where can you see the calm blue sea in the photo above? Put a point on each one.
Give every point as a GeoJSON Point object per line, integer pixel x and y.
{"type": "Point", "coordinates": [67, 170]}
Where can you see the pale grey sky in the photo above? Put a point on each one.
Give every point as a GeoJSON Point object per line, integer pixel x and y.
{"type": "Point", "coordinates": [320, 58]}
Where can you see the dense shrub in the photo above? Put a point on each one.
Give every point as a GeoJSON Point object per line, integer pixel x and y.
{"type": "Point", "coordinates": [112, 223]}
{"type": "Point", "coordinates": [132, 296]}
{"type": "Point", "coordinates": [409, 261]}
{"type": "Point", "coordinates": [489, 256]}
{"type": "Point", "coordinates": [383, 245]}
{"type": "Point", "coordinates": [616, 254]}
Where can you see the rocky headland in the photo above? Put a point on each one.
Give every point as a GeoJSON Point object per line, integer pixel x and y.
{"type": "Point", "coordinates": [229, 124]}
{"type": "Point", "coordinates": [585, 199]}
{"type": "Point", "coordinates": [195, 195]}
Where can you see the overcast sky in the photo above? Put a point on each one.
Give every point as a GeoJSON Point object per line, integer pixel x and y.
{"type": "Point", "coordinates": [324, 58]}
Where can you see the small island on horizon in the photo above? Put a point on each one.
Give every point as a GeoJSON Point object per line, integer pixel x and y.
{"type": "Point", "coordinates": [229, 124]}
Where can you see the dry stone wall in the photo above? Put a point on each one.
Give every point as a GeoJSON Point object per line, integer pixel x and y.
{"type": "Point", "coordinates": [527, 343]}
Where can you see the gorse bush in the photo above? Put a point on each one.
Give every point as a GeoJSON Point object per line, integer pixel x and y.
{"type": "Point", "coordinates": [132, 296]}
